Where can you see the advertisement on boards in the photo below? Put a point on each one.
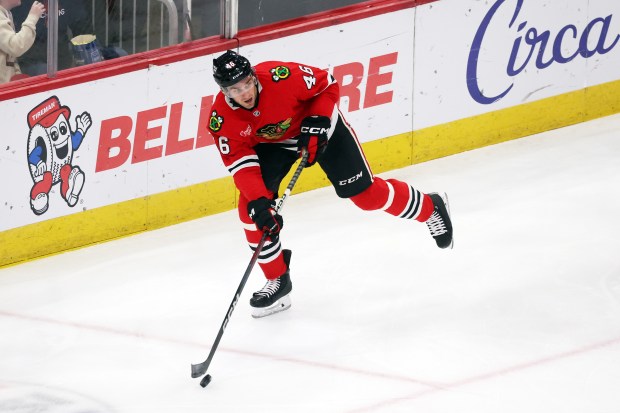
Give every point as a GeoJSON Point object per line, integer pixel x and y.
{"type": "Point", "coordinates": [146, 132]}
{"type": "Point", "coordinates": [475, 57]}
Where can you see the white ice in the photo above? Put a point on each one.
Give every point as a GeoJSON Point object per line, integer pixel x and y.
{"type": "Point", "coordinates": [523, 315]}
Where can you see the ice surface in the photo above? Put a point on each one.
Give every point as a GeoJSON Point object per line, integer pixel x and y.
{"type": "Point", "coordinates": [523, 315]}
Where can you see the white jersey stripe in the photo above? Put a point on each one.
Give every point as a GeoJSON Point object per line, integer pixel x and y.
{"type": "Point", "coordinates": [245, 162]}
{"type": "Point", "coordinates": [249, 227]}
{"type": "Point", "coordinates": [243, 166]}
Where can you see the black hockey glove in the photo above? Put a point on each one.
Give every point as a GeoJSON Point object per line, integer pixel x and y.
{"type": "Point", "coordinates": [313, 137]}
{"type": "Point", "coordinates": [262, 212]}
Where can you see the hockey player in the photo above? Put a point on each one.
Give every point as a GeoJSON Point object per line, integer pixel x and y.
{"type": "Point", "coordinates": [261, 120]}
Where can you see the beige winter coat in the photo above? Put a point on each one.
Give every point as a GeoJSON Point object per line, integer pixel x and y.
{"type": "Point", "coordinates": [13, 45]}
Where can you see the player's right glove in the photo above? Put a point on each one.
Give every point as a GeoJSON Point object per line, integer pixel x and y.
{"type": "Point", "coordinates": [313, 137]}
{"type": "Point", "coordinates": [262, 212]}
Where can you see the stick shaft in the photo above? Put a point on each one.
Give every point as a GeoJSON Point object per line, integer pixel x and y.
{"type": "Point", "coordinates": [201, 368]}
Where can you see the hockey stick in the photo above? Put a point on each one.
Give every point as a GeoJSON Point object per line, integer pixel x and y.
{"type": "Point", "coordinates": [201, 368]}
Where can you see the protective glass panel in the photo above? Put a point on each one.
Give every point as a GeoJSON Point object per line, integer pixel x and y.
{"type": "Point", "coordinates": [205, 18]}
{"type": "Point", "coordinates": [126, 27]}
{"type": "Point", "coordinates": [254, 13]}
{"type": "Point", "coordinates": [90, 31]}
{"type": "Point", "coordinates": [73, 20]}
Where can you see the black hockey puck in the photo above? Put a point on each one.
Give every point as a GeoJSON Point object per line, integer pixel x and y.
{"type": "Point", "coordinates": [205, 380]}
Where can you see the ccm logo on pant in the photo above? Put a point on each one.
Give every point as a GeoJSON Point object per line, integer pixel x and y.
{"type": "Point", "coordinates": [351, 179]}
{"type": "Point", "coordinates": [314, 130]}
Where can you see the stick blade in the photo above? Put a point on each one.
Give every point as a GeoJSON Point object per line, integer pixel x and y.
{"type": "Point", "coordinates": [198, 370]}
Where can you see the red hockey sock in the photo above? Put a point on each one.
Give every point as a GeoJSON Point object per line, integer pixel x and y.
{"type": "Point", "coordinates": [270, 259]}
{"type": "Point", "coordinates": [396, 198]}
{"type": "Point", "coordinates": [427, 209]}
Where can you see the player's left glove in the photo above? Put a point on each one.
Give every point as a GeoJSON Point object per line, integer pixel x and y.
{"type": "Point", "coordinates": [262, 212]}
{"type": "Point", "coordinates": [313, 137]}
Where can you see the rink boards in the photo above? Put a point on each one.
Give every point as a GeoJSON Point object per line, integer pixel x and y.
{"type": "Point", "coordinates": [419, 80]}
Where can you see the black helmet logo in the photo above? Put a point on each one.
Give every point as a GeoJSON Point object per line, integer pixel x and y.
{"type": "Point", "coordinates": [229, 68]}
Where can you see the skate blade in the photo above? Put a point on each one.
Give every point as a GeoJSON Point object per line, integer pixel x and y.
{"type": "Point", "coordinates": [444, 196]}
{"type": "Point", "coordinates": [282, 304]}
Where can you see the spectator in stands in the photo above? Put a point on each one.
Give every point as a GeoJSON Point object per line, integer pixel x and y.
{"type": "Point", "coordinates": [73, 20]}
{"type": "Point", "coordinates": [13, 44]}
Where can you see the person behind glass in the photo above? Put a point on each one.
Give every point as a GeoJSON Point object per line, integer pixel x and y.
{"type": "Point", "coordinates": [14, 44]}
{"type": "Point", "coordinates": [262, 119]}
{"type": "Point", "coordinates": [73, 20]}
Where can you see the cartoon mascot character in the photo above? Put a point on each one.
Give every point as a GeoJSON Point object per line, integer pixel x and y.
{"type": "Point", "coordinates": [51, 144]}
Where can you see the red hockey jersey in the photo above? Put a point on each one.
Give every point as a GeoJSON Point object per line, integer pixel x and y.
{"type": "Point", "coordinates": [288, 92]}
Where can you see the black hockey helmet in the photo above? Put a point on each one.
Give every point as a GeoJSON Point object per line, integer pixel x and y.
{"type": "Point", "coordinates": [230, 68]}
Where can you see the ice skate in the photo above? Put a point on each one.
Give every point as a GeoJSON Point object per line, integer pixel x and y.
{"type": "Point", "coordinates": [439, 222]}
{"type": "Point", "coordinates": [274, 296]}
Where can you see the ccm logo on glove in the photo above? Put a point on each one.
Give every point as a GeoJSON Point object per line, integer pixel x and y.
{"type": "Point", "coordinates": [313, 130]}
{"type": "Point", "coordinates": [313, 137]}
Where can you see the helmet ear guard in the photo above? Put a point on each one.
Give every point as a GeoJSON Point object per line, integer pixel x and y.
{"type": "Point", "coordinates": [229, 68]}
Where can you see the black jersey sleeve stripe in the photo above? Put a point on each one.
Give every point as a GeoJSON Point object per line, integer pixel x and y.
{"type": "Point", "coordinates": [245, 162]}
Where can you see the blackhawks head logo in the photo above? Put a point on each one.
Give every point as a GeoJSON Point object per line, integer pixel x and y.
{"type": "Point", "coordinates": [274, 131]}
{"type": "Point", "coordinates": [215, 122]}
{"type": "Point", "coordinates": [279, 73]}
